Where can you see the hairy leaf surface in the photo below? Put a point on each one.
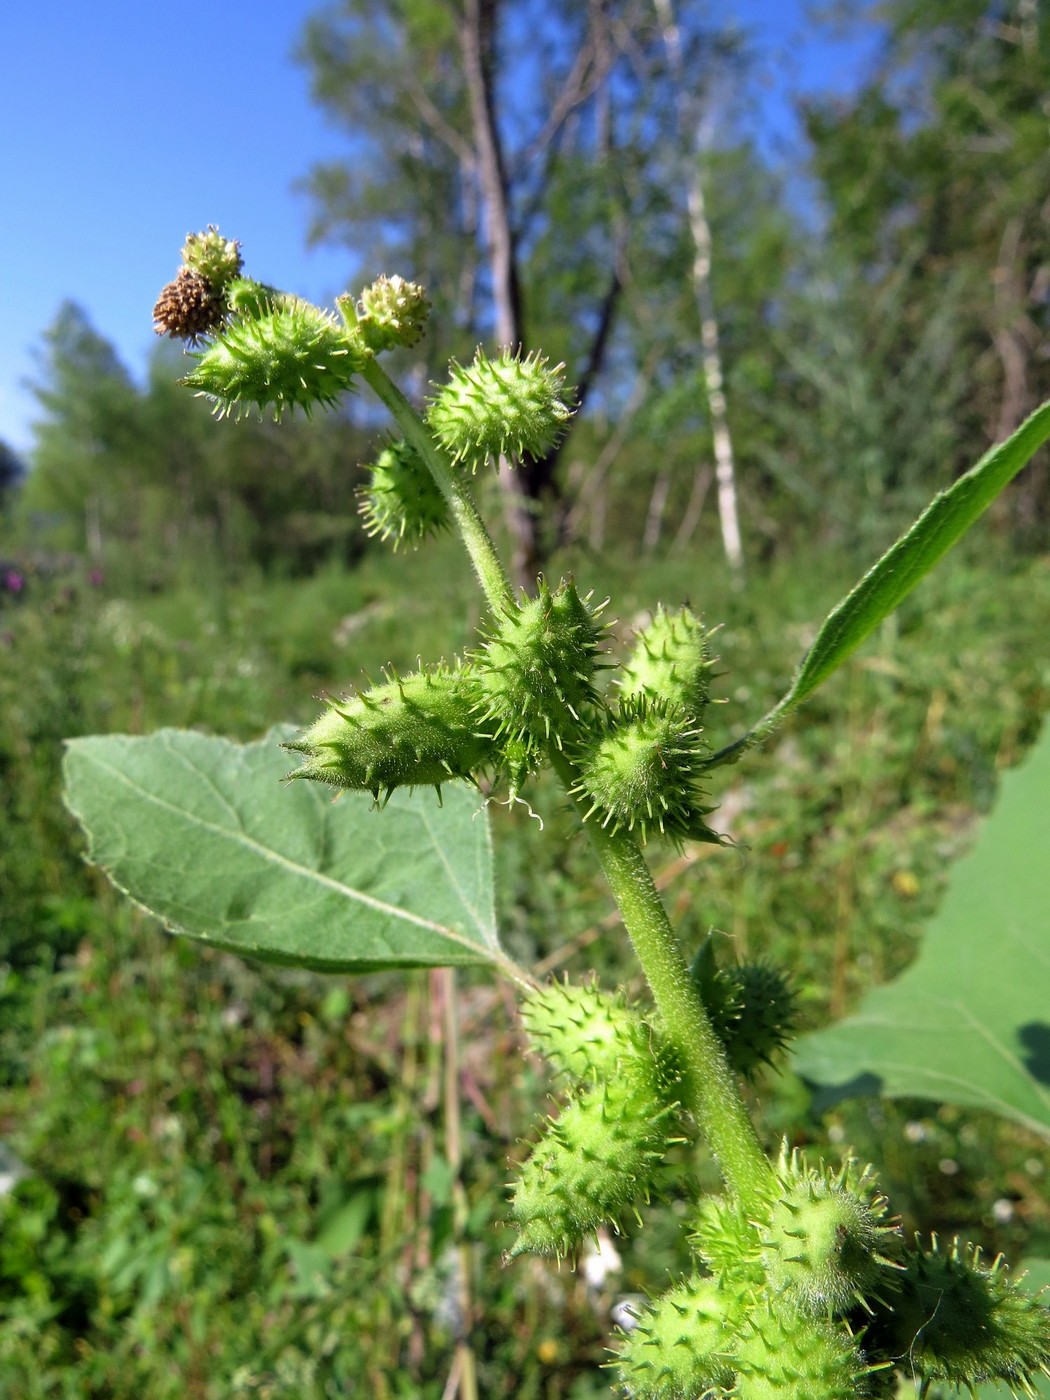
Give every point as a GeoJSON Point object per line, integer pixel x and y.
{"type": "Point", "coordinates": [969, 1021]}
{"type": "Point", "coordinates": [203, 833]}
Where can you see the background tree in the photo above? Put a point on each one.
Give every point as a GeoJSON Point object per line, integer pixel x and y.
{"type": "Point", "coordinates": [12, 470]}
{"type": "Point", "coordinates": [691, 126]}
{"type": "Point", "coordinates": [499, 137]}
{"type": "Point", "coordinates": [940, 166]}
{"type": "Point", "coordinates": [88, 441]}
{"type": "Point", "coordinates": [145, 469]}
{"type": "Point", "coordinates": [663, 457]}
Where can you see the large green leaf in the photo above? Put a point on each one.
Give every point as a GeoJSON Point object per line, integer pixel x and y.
{"type": "Point", "coordinates": [203, 833]}
{"type": "Point", "coordinates": [948, 516]}
{"type": "Point", "coordinates": [969, 1021]}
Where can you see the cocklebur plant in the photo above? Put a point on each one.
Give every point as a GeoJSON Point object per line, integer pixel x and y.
{"type": "Point", "coordinates": [801, 1283]}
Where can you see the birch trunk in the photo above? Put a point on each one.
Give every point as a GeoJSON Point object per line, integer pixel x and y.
{"type": "Point", "coordinates": [711, 359]}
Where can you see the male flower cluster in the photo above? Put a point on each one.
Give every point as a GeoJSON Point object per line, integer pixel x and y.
{"type": "Point", "coordinates": [269, 350]}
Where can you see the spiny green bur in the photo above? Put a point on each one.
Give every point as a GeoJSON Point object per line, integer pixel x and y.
{"type": "Point", "coordinates": [727, 1242]}
{"type": "Point", "coordinates": [784, 1355]}
{"type": "Point", "coordinates": [509, 407]}
{"type": "Point", "coordinates": [957, 1321]}
{"type": "Point", "coordinates": [643, 774]}
{"type": "Point", "coordinates": [248, 298]}
{"type": "Point", "coordinates": [538, 665]}
{"type": "Point", "coordinates": [412, 731]}
{"type": "Point", "coordinates": [671, 663]}
{"type": "Point", "coordinates": [678, 1349]}
{"type": "Point", "coordinates": [584, 1032]}
{"type": "Point", "coordinates": [827, 1244]}
{"type": "Point", "coordinates": [596, 1158]}
{"type": "Point", "coordinates": [752, 1007]}
{"type": "Point", "coordinates": [287, 357]}
{"type": "Point", "coordinates": [402, 503]}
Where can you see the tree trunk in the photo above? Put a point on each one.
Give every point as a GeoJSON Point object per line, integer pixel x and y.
{"type": "Point", "coordinates": [700, 229]}
{"type": "Point", "coordinates": [525, 485]}
{"type": "Point", "coordinates": [477, 37]}
{"type": "Point", "coordinates": [654, 520]}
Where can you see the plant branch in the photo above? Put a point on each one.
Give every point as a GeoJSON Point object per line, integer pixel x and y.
{"type": "Point", "coordinates": [476, 538]}
{"type": "Point", "coordinates": [709, 1088]}
{"type": "Point", "coordinates": [590, 69]}
{"type": "Point", "coordinates": [445, 979]}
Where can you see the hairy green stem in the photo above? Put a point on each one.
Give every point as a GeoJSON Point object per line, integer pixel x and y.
{"type": "Point", "coordinates": [478, 541]}
{"type": "Point", "coordinates": [710, 1089]}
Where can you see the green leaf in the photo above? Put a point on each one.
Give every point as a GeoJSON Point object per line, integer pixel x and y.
{"type": "Point", "coordinates": [948, 516]}
{"type": "Point", "coordinates": [312, 1265]}
{"type": "Point", "coordinates": [345, 1228]}
{"type": "Point", "coordinates": [969, 1021]}
{"type": "Point", "coordinates": [204, 834]}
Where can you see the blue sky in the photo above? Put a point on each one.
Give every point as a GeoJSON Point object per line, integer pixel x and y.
{"type": "Point", "coordinates": [126, 123]}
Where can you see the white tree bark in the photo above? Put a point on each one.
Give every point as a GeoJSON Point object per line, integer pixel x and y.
{"type": "Point", "coordinates": [711, 359]}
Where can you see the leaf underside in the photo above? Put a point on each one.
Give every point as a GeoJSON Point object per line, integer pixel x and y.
{"type": "Point", "coordinates": [969, 1021]}
{"type": "Point", "coordinates": [203, 833]}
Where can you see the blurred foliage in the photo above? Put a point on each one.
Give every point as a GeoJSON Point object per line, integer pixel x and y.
{"type": "Point", "coordinates": [142, 480]}
{"type": "Point", "coordinates": [936, 172]}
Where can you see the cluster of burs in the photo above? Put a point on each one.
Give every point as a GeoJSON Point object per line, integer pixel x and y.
{"type": "Point", "coordinates": [530, 689]}
{"type": "Point", "coordinates": [268, 349]}
{"type": "Point", "coordinates": [814, 1293]}
{"type": "Point", "coordinates": [532, 682]}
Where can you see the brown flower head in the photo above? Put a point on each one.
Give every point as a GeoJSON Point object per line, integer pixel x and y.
{"type": "Point", "coordinates": [189, 307]}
